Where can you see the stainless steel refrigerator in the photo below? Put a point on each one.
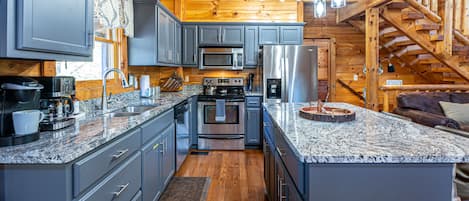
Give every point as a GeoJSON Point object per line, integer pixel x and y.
{"type": "Point", "coordinates": [290, 73]}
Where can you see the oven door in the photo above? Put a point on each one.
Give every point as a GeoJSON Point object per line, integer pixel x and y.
{"type": "Point", "coordinates": [233, 124]}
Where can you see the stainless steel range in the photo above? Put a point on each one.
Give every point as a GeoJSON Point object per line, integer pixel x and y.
{"type": "Point", "coordinates": [221, 114]}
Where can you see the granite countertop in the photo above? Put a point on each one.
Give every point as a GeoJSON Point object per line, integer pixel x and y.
{"type": "Point", "coordinates": [372, 138]}
{"type": "Point", "coordinates": [64, 146]}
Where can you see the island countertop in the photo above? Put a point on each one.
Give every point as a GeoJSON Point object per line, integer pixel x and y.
{"type": "Point", "coordinates": [372, 138]}
{"type": "Point", "coordinates": [66, 145]}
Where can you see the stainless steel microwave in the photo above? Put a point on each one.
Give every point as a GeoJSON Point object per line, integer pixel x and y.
{"type": "Point", "coordinates": [221, 58]}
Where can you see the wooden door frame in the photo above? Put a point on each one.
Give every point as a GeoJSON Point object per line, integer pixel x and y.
{"type": "Point", "coordinates": [331, 68]}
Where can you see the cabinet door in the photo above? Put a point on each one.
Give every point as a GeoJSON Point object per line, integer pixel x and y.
{"type": "Point", "coordinates": [64, 28]}
{"type": "Point", "coordinates": [178, 44]}
{"type": "Point", "coordinates": [268, 35]}
{"type": "Point", "coordinates": [253, 126]}
{"type": "Point", "coordinates": [169, 153]}
{"type": "Point", "coordinates": [152, 184]}
{"type": "Point", "coordinates": [209, 35]}
{"type": "Point", "coordinates": [171, 33]}
{"type": "Point", "coordinates": [193, 120]}
{"type": "Point", "coordinates": [232, 35]}
{"type": "Point", "coordinates": [163, 36]}
{"type": "Point", "coordinates": [291, 35]}
{"type": "Point", "coordinates": [189, 45]}
{"type": "Point", "coordinates": [251, 46]}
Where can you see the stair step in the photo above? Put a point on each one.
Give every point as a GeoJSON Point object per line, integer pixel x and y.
{"type": "Point", "coordinates": [427, 59]}
{"type": "Point", "coordinates": [412, 15]}
{"type": "Point", "coordinates": [436, 37]}
{"type": "Point", "coordinates": [398, 5]}
{"type": "Point", "coordinates": [390, 32]}
{"type": "Point", "coordinates": [460, 50]}
{"type": "Point", "coordinates": [427, 27]}
{"type": "Point", "coordinates": [414, 50]}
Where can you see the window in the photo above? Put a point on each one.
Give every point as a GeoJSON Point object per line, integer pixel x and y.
{"type": "Point", "coordinates": [103, 59]}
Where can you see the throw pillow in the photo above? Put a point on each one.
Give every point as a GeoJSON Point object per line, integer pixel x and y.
{"type": "Point", "coordinates": [458, 112]}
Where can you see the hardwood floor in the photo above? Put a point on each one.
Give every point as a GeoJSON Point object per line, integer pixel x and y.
{"type": "Point", "coordinates": [235, 175]}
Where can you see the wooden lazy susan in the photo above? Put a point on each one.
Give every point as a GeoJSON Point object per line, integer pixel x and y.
{"type": "Point", "coordinates": [327, 114]}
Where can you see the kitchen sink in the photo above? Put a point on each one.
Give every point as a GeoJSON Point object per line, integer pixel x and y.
{"type": "Point", "coordinates": [130, 111]}
{"type": "Point", "coordinates": [122, 114]}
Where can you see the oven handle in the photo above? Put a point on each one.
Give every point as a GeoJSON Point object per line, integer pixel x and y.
{"type": "Point", "coordinates": [226, 103]}
{"type": "Point", "coordinates": [222, 138]}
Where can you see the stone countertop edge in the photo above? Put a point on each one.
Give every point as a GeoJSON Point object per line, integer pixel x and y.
{"type": "Point", "coordinates": [374, 144]}
{"type": "Point", "coordinates": [67, 145]}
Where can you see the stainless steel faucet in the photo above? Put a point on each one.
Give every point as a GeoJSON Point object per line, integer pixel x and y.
{"type": "Point", "coordinates": [125, 84]}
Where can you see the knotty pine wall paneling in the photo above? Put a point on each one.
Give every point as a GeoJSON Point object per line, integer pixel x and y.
{"type": "Point", "coordinates": [350, 54]}
{"type": "Point", "coordinates": [240, 11]}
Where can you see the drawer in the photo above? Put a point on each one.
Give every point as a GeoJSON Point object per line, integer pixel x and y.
{"type": "Point", "coordinates": [253, 101]}
{"type": "Point", "coordinates": [138, 196]}
{"type": "Point", "coordinates": [155, 126]}
{"type": "Point", "coordinates": [90, 169]}
{"type": "Point", "coordinates": [294, 166]}
{"type": "Point", "coordinates": [121, 185]}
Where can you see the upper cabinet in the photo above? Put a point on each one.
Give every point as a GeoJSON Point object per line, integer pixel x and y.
{"type": "Point", "coordinates": [291, 35]}
{"type": "Point", "coordinates": [189, 45]}
{"type": "Point", "coordinates": [157, 36]}
{"type": "Point", "coordinates": [36, 30]}
{"type": "Point", "coordinates": [251, 46]}
{"type": "Point", "coordinates": [280, 35]}
{"type": "Point", "coordinates": [269, 35]}
{"type": "Point", "coordinates": [221, 35]}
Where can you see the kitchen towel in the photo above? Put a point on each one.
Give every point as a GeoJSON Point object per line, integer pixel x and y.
{"type": "Point", "coordinates": [220, 115]}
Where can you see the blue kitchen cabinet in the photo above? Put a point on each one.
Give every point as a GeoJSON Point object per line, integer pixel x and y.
{"type": "Point", "coordinates": [291, 35]}
{"type": "Point", "coordinates": [36, 30]}
{"type": "Point", "coordinates": [193, 120]}
{"type": "Point", "coordinates": [209, 35]}
{"type": "Point", "coordinates": [253, 120]}
{"type": "Point", "coordinates": [158, 156]}
{"type": "Point", "coordinates": [217, 35]}
{"type": "Point", "coordinates": [152, 162]}
{"type": "Point", "coordinates": [190, 46]}
{"type": "Point", "coordinates": [157, 36]}
{"type": "Point", "coordinates": [251, 46]}
{"type": "Point", "coordinates": [169, 153]}
{"type": "Point", "coordinates": [280, 35]}
{"type": "Point", "coordinates": [269, 35]}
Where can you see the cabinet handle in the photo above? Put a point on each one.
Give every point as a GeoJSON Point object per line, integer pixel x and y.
{"type": "Point", "coordinates": [156, 146]}
{"type": "Point", "coordinates": [279, 151]}
{"type": "Point", "coordinates": [120, 154]}
{"type": "Point", "coordinates": [252, 102]}
{"type": "Point", "coordinates": [121, 190]}
{"type": "Point", "coordinates": [162, 150]}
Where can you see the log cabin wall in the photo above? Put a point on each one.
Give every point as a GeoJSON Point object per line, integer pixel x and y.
{"type": "Point", "coordinates": [240, 11]}
{"type": "Point", "coordinates": [350, 55]}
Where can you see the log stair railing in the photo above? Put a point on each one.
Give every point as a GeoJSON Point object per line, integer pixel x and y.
{"type": "Point", "coordinates": [390, 92]}
{"type": "Point", "coordinates": [351, 90]}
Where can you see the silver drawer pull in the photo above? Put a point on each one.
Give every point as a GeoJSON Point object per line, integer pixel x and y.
{"type": "Point", "coordinates": [253, 102]}
{"type": "Point", "coordinates": [121, 190]}
{"type": "Point", "coordinates": [120, 153]}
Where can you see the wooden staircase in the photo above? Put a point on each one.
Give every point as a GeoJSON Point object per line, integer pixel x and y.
{"type": "Point", "coordinates": [427, 36]}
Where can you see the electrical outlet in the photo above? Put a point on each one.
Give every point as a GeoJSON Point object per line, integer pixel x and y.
{"type": "Point", "coordinates": [355, 77]}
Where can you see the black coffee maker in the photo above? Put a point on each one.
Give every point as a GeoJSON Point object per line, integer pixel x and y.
{"type": "Point", "coordinates": [57, 102]}
{"type": "Point", "coordinates": [17, 94]}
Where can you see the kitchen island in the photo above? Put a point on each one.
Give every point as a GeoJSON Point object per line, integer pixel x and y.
{"type": "Point", "coordinates": [375, 157]}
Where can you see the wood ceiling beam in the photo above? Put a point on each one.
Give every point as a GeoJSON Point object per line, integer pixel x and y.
{"type": "Point", "coordinates": [357, 8]}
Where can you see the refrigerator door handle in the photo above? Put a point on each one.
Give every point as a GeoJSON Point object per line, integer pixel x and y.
{"type": "Point", "coordinates": [284, 80]}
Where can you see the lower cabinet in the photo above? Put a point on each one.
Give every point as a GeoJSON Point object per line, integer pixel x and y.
{"type": "Point", "coordinates": [121, 185]}
{"type": "Point", "coordinates": [151, 170]}
{"type": "Point", "coordinates": [278, 182]}
{"type": "Point", "coordinates": [253, 120]}
{"type": "Point", "coordinates": [158, 164]}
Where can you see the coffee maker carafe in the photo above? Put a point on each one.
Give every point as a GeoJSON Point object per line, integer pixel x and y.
{"type": "Point", "coordinates": [17, 94]}
{"type": "Point", "coordinates": [57, 102]}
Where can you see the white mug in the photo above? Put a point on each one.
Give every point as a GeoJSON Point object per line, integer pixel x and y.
{"type": "Point", "coordinates": [27, 121]}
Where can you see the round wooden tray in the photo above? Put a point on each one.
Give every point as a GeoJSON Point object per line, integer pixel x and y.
{"type": "Point", "coordinates": [332, 114]}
